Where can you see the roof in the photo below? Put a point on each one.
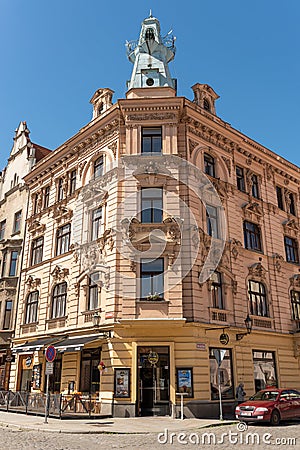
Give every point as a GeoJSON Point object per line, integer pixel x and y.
{"type": "Point", "coordinates": [40, 151]}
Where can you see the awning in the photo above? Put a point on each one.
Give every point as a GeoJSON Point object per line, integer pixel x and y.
{"type": "Point", "coordinates": [35, 345]}
{"type": "Point", "coordinates": [76, 343]}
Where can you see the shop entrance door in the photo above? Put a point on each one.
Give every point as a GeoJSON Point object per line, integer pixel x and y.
{"type": "Point", "coordinates": [153, 381]}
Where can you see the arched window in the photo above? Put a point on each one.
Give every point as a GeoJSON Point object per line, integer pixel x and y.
{"type": "Point", "coordinates": [98, 167]}
{"type": "Point", "coordinates": [257, 298]}
{"type": "Point", "coordinates": [59, 299]}
{"type": "Point", "coordinates": [206, 105]}
{"type": "Point", "coordinates": [31, 307]}
{"type": "Point", "coordinates": [209, 165]}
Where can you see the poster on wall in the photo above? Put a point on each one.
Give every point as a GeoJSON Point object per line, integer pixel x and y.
{"type": "Point", "coordinates": [36, 376]}
{"type": "Point", "coordinates": [185, 381]}
{"type": "Point", "coordinates": [122, 386]}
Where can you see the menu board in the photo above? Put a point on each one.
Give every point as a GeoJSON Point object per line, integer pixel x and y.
{"type": "Point", "coordinates": [122, 383]}
{"type": "Point", "coordinates": [185, 382]}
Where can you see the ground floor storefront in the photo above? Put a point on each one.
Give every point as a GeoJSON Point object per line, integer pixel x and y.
{"type": "Point", "coordinates": [142, 367]}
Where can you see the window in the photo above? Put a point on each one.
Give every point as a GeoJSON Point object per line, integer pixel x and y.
{"type": "Point", "coordinates": [2, 229]}
{"type": "Point", "coordinates": [252, 236]}
{"type": "Point", "coordinates": [4, 260]}
{"type": "Point", "coordinates": [60, 189]}
{"type": "Point", "coordinates": [37, 251]}
{"type": "Point", "coordinates": [291, 204]}
{"type": "Point", "coordinates": [225, 370]}
{"type": "Point", "coordinates": [149, 35]}
{"type": "Point", "coordinates": [240, 179]}
{"type": "Point", "coordinates": [257, 298]}
{"type": "Point", "coordinates": [13, 263]}
{"type": "Point", "coordinates": [63, 237]}
{"type": "Point", "coordinates": [151, 140]}
{"type": "Point", "coordinates": [291, 249]}
{"type": "Point", "coordinates": [31, 307]}
{"type": "Point", "coordinates": [279, 197]}
{"type": "Point", "coordinates": [93, 302]}
{"type": "Point", "coordinates": [295, 301]}
{"type": "Point", "coordinates": [216, 290]}
{"type": "Point", "coordinates": [72, 187]}
{"type": "Point", "coordinates": [209, 165]}
{"type": "Point", "coordinates": [59, 298]}
{"type": "Point", "coordinates": [17, 222]}
{"type": "Point", "coordinates": [35, 198]}
{"type": "Point", "coordinates": [7, 315]}
{"type": "Point", "coordinates": [264, 369]}
{"type": "Point", "coordinates": [151, 205]}
{"type": "Point", "coordinates": [152, 279]}
{"type": "Point", "coordinates": [46, 196]}
{"type": "Point", "coordinates": [89, 373]}
{"type": "Point", "coordinates": [96, 223]}
{"type": "Point", "coordinates": [254, 187]}
{"type": "Point", "coordinates": [98, 167]}
{"type": "Point", "coordinates": [206, 105]}
{"type": "Point", "coordinates": [212, 221]}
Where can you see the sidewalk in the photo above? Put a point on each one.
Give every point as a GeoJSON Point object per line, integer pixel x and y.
{"type": "Point", "coordinates": [134, 425]}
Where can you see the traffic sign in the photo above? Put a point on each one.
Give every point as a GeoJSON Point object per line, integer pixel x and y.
{"type": "Point", "coordinates": [49, 368]}
{"type": "Point", "coordinates": [50, 353]}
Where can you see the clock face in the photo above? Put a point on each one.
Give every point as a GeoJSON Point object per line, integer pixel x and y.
{"type": "Point", "coordinates": [150, 82]}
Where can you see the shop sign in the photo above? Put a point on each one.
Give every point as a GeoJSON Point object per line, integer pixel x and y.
{"type": "Point", "coordinates": [28, 361]}
{"type": "Point", "coordinates": [201, 346]}
{"type": "Point", "coordinates": [224, 338]}
{"type": "Point", "coordinates": [153, 358]}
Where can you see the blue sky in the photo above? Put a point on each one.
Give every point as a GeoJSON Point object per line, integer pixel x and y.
{"type": "Point", "coordinates": [55, 54]}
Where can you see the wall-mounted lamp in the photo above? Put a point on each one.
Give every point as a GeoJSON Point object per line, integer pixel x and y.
{"type": "Point", "coordinates": [248, 323]}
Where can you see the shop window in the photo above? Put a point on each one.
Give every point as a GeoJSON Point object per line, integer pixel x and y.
{"type": "Point", "coordinates": [46, 196]}
{"type": "Point", "coordinates": [72, 186]}
{"type": "Point", "coordinates": [60, 189]}
{"type": "Point", "coordinates": [55, 379]}
{"type": "Point", "coordinates": [224, 374]}
{"type": "Point", "coordinates": [279, 196]}
{"type": "Point", "coordinates": [217, 290]}
{"type": "Point", "coordinates": [254, 187]}
{"type": "Point", "coordinates": [291, 249]}
{"type": "Point", "coordinates": [252, 236]}
{"type": "Point", "coordinates": [31, 307]}
{"type": "Point", "coordinates": [63, 237]}
{"type": "Point", "coordinates": [151, 205]}
{"type": "Point", "coordinates": [98, 167]}
{"type": "Point", "coordinates": [59, 300]}
{"type": "Point", "coordinates": [89, 373]}
{"type": "Point", "coordinates": [151, 140]}
{"type": "Point", "coordinates": [295, 302]}
{"type": "Point", "coordinates": [7, 315]}
{"type": "Point", "coordinates": [17, 222]}
{"type": "Point", "coordinates": [264, 369]}
{"type": "Point", "coordinates": [257, 298]}
{"type": "Point", "coordinates": [93, 298]}
{"type": "Point", "coordinates": [212, 221]}
{"type": "Point", "coordinates": [240, 179]}
{"type": "Point", "coordinates": [209, 165]}
{"type": "Point", "coordinates": [96, 223]}
{"type": "Point", "coordinates": [13, 263]}
{"type": "Point", "coordinates": [152, 279]}
{"type": "Point", "coordinates": [37, 251]}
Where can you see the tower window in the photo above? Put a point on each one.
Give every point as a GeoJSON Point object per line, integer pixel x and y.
{"type": "Point", "coordinates": [151, 140]}
{"type": "Point", "coordinates": [206, 105]}
{"type": "Point", "coordinates": [152, 205]}
{"type": "Point", "coordinates": [149, 35]}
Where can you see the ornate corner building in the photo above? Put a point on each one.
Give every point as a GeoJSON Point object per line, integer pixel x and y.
{"type": "Point", "coordinates": [151, 236]}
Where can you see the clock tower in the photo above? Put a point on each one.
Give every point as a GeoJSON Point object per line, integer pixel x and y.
{"type": "Point", "coordinates": [150, 56]}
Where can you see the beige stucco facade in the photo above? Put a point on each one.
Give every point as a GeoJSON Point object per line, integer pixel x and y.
{"type": "Point", "coordinates": [160, 339]}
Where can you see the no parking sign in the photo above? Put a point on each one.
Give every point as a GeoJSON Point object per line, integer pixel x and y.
{"type": "Point", "coordinates": [50, 353]}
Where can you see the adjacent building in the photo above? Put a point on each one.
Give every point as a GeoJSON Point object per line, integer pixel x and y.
{"type": "Point", "coordinates": [161, 254]}
{"type": "Point", "coordinates": [13, 211]}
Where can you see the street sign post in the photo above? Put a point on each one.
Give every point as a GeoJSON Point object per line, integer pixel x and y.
{"type": "Point", "coordinates": [219, 356]}
{"type": "Point", "coordinates": [50, 355]}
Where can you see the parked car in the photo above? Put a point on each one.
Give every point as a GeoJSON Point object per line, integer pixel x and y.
{"type": "Point", "coordinates": [270, 405]}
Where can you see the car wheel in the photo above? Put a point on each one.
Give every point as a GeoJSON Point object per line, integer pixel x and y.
{"type": "Point", "coordinates": [275, 418]}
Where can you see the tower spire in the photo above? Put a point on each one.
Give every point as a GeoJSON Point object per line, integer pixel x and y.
{"type": "Point", "coordinates": [150, 56]}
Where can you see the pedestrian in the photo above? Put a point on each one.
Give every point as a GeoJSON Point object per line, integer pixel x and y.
{"type": "Point", "coordinates": [240, 393]}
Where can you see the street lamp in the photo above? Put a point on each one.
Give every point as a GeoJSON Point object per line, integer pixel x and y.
{"type": "Point", "coordinates": [248, 323]}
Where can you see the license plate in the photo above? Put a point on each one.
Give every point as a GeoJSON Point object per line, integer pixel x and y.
{"type": "Point", "coordinates": [246, 413]}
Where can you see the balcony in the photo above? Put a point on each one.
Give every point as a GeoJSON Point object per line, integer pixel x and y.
{"type": "Point", "coordinates": [218, 315]}
{"type": "Point", "coordinates": [152, 309]}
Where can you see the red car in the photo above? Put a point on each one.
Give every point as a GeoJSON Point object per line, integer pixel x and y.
{"type": "Point", "coordinates": [270, 405]}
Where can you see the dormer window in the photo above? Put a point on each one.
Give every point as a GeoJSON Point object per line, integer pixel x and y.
{"type": "Point", "coordinates": [149, 35]}
{"type": "Point", "coordinates": [206, 105]}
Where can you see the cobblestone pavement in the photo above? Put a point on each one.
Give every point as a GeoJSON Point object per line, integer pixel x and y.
{"type": "Point", "coordinates": [227, 436]}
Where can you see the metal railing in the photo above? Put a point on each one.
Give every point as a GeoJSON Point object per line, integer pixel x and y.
{"type": "Point", "coordinates": [60, 405]}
